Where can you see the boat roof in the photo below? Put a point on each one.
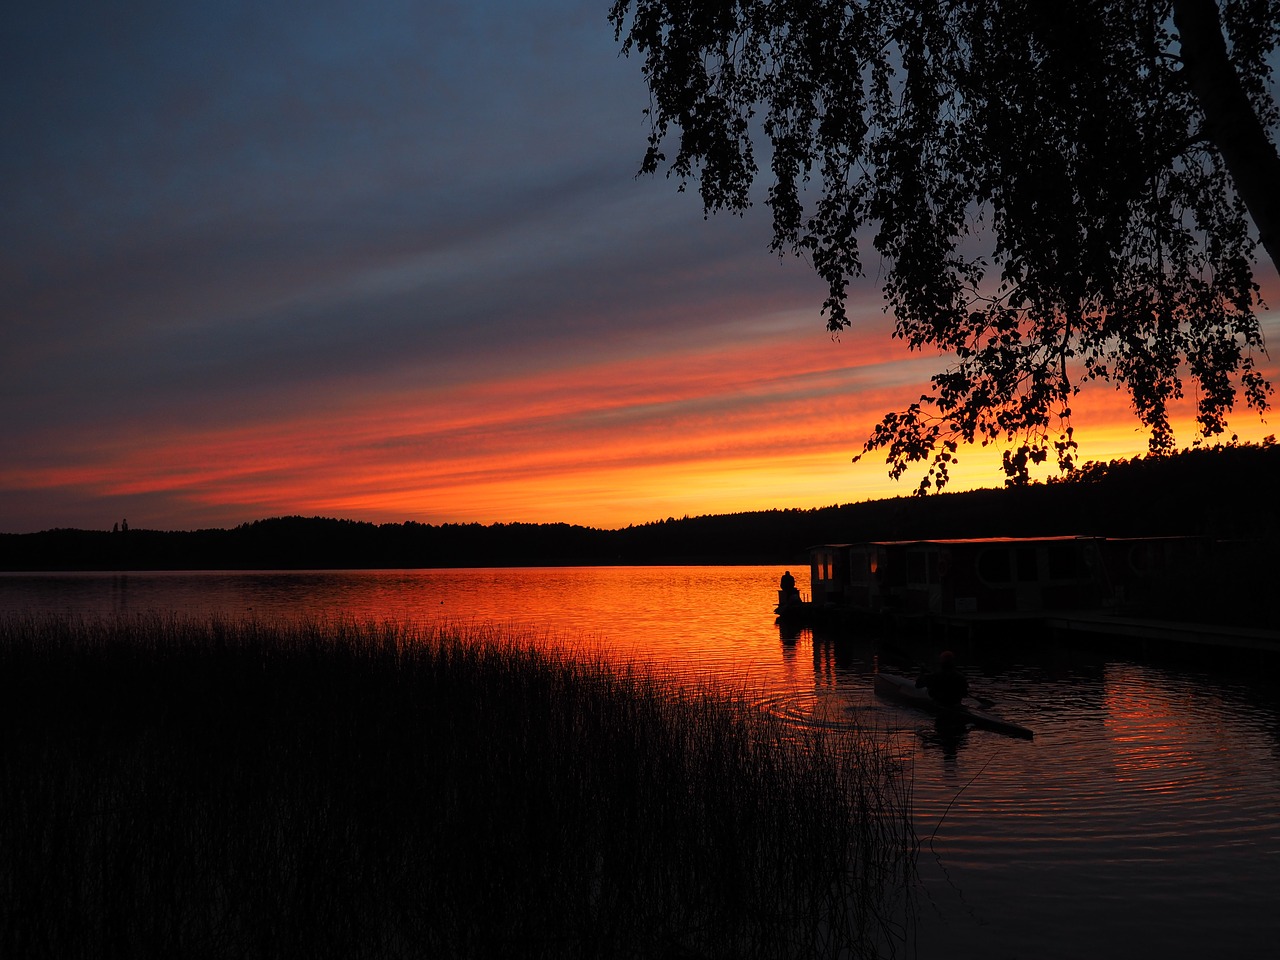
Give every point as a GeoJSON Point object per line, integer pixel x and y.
{"type": "Point", "coordinates": [953, 542]}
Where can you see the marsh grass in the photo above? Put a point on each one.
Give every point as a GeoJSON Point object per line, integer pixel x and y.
{"type": "Point", "coordinates": [190, 788]}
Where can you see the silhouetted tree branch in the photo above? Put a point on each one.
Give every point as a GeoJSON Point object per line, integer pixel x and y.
{"type": "Point", "coordinates": [1059, 192]}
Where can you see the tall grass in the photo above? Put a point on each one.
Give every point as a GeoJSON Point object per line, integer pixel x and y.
{"type": "Point", "coordinates": [172, 788]}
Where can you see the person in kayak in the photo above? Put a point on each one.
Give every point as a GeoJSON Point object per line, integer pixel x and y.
{"type": "Point", "coordinates": [946, 685]}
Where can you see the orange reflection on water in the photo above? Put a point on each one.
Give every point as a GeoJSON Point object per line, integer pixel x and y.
{"type": "Point", "coordinates": [1159, 738]}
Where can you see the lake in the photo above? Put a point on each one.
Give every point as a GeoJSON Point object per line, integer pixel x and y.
{"type": "Point", "coordinates": [1142, 820]}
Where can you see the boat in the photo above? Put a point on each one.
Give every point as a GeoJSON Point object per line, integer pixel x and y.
{"type": "Point", "coordinates": [905, 690]}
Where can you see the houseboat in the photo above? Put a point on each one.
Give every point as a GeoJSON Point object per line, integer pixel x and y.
{"type": "Point", "coordinates": [1129, 587]}
{"type": "Point", "coordinates": [980, 576]}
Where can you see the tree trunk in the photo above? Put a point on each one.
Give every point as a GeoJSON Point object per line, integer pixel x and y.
{"type": "Point", "coordinates": [1232, 125]}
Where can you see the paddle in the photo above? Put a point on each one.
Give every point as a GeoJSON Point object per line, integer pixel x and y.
{"type": "Point", "coordinates": [982, 701]}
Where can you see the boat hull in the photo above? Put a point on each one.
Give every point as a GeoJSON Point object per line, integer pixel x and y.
{"type": "Point", "coordinates": [904, 690]}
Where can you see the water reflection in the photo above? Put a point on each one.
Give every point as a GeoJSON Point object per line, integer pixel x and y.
{"type": "Point", "coordinates": [947, 735]}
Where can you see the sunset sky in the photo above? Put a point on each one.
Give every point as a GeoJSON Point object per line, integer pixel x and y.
{"type": "Point", "coordinates": [390, 261]}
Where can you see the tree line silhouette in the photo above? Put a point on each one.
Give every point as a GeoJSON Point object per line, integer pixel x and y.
{"type": "Point", "coordinates": [1221, 492]}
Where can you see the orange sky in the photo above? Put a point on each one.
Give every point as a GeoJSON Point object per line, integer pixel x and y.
{"type": "Point", "coordinates": [769, 421]}
{"type": "Point", "coordinates": [365, 270]}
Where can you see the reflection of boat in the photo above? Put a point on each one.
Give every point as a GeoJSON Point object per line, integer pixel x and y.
{"type": "Point", "coordinates": [906, 691]}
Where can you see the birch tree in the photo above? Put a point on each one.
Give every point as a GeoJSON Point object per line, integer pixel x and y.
{"type": "Point", "coordinates": [1051, 192]}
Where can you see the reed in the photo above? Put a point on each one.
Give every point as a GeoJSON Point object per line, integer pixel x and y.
{"type": "Point", "coordinates": [172, 787]}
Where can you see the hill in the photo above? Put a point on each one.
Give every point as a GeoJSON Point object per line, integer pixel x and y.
{"type": "Point", "coordinates": [1222, 492]}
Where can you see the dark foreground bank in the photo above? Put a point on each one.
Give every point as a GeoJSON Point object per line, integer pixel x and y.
{"type": "Point", "coordinates": [178, 788]}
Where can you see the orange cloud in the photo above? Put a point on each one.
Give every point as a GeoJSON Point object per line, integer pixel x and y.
{"type": "Point", "coordinates": [771, 421]}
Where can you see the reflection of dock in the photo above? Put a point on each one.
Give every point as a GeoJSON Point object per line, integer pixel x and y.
{"type": "Point", "coordinates": [1148, 634]}
{"type": "Point", "coordinates": [1163, 633]}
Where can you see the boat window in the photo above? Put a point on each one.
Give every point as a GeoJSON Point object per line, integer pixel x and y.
{"type": "Point", "coordinates": [994, 565]}
{"type": "Point", "coordinates": [1062, 561]}
{"type": "Point", "coordinates": [822, 566]}
{"type": "Point", "coordinates": [1028, 566]}
{"type": "Point", "coordinates": [916, 571]}
{"type": "Point", "coordinates": [859, 570]}
{"type": "Point", "coordinates": [1141, 557]}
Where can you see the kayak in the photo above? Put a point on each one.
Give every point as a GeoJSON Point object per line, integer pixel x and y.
{"type": "Point", "coordinates": [906, 691]}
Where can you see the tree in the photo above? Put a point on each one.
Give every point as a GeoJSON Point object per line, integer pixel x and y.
{"type": "Point", "coordinates": [1057, 192]}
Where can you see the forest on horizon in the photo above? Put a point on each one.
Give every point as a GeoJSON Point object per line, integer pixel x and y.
{"type": "Point", "coordinates": [1222, 492]}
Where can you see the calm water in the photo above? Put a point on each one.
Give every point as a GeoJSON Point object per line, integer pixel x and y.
{"type": "Point", "coordinates": [1143, 820]}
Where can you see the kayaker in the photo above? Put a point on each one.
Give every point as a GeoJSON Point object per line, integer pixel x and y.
{"type": "Point", "coordinates": [947, 685]}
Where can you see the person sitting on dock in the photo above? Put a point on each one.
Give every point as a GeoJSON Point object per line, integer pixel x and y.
{"type": "Point", "coordinates": [788, 596]}
{"type": "Point", "coordinates": [946, 685]}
